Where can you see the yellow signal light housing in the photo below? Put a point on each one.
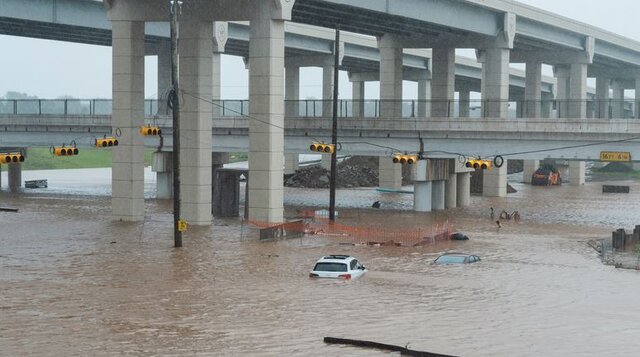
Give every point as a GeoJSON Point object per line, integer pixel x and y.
{"type": "Point", "coordinates": [106, 142]}
{"type": "Point", "coordinates": [65, 151]}
{"type": "Point", "coordinates": [7, 158]}
{"type": "Point", "coordinates": [322, 148]}
{"type": "Point", "coordinates": [479, 164]}
{"type": "Point", "coordinates": [405, 159]}
{"type": "Point", "coordinates": [150, 130]}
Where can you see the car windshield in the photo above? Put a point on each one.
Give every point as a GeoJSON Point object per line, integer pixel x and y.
{"type": "Point", "coordinates": [450, 259]}
{"type": "Point", "coordinates": [330, 267]}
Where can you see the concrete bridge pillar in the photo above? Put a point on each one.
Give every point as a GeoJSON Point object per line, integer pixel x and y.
{"type": "Point", "coordinates": [164, 75]}
{"type": "Point", "coordinates": [451, 190]}
{"type": "Point", "coordinates": [291, 163]}
{"type": "Point", "coordinates": [602, 97]}
{"type": "Point", "coordinates": [562, 75]}
{"type": "Point", "coordinates": [162, 165]}
{"type": "Point", "coordinates": [389, 174]}
{"type": "Point", "coordinates": [357, 96]}
{"type": "Point", "coordinates": [422, 189]}
{"type": "Point", "coordinates": [636, 105]}
{"type": "Point", "coordinates": [464, 100]}
{"type": "Point", "coordinates": [578, 91]}
{"type": "Point", "coordinates": [424, 98]}
{"type": "Point", "coordinates": [442, 81]}
{"type": "Point", "coordinates": [495, 90]}
{"type": "Point", "coordinates": [617, 102]}
{"type": "Point", "coordinates": [528, 168]}
{"type": "Point", "coordinates": [15, 177]}
{"type": "Point", "coordinates": [220, 36]}
{"type": "Point", "coordinates": [494, 181]}
{"type": "Point", "coordinates": [292, 91]}
{"type": "Point", "coordinates": [463, 189]}
{"type": "Point", "coordinates": [266, 137]}
{"type": "Point", "coordinates": [391, 76]}
{"type": "Point", "coordinates": [576, 173]}
{"type": "Point", "coordinates": [547, 105]}
{"type": "Point", "coordinates": [437, 195]}
{"type": "Point", "coordinates": [196, 64]}
{"type": "Point", "coordinates": [325, 161]}
{"type": "Point", "coordinates": [127, 180]}
{"type": "Point", "coordinates": [327, 91]}
{"type": "Point", "coordinates": [533, 90]}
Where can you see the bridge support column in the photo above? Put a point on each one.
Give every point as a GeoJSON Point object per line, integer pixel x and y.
{"type": "Point", "coordinates": [463, 189]}
{"type": "Point", "coordinates": [533, 90]}
{"type": "Point", "coordinates": [327, 91]}
{"type": "Point", "coordinates": [391, 76]}
{"type": "Point", "coordinates": [424, 98]}
{"type": "Point", "coordinates": [162, 165]}
{"type": "Point", "coordinates": [602, 97]}
{"type": "Point", "coordinates": [220, 36]}
{"type": "Point", "coordinates": [576, 173]}
{"type": "Point", "coordinates": [562, 75]}
{"type": "Point", "coordinates": [196, 75]}
{"type": "Point", "coordinates": [357, 88]}
{"type": "Point", "coordinates": [127, 179]}
{"type": "Point", "coordinates": [495, 90]}
{"type": "Point", "coordinates": [164, 75]}
{"type": "Point", "coordinates": [464, 100]}
{"type": "Point", "coordinates": [325, 161]}
{"type": "Point", "coordinates": [578, 91]}
{"type": "Point", "coordinates": [437, 195]}
{"type": "Point", "coordinates": [15, 177]}
{"type": "Point", "coordinates": [547, 105]}
{"type": "Point", "coordinates": [451, 190]}
{"type": "Point", "coordinates": [292, 91]}
{"type": "Point", "coordinates": [494, 182]}
{"type": "Point", "coordinates": [636, 105]}
{"type": "Point", "coordinates": [442, 81]}
{"type": "Point", "coordinates": [528, 168]}
{"type": "Point", "coordinates": [422, 189]}
{"type": "Point", "coordinates": [617, 102]}
{"type": "Point", "coordinates": [389, 174]}
{"type": "Point", "coordinates": [291, 163]}
{"type": "Point", "coordinates": [266, 137]}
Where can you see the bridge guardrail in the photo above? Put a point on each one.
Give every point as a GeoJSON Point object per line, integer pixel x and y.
{"type": "Point", "coordinates": [347, 108]}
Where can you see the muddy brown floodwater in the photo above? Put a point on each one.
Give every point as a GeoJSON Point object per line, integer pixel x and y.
{"type": "Point", "coordinates": [73, 283]}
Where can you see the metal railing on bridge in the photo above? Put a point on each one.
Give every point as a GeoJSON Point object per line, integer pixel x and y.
{"type": "Point", "coordinates": [369, 108]}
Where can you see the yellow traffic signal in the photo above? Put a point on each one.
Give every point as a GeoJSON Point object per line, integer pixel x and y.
{"type": "Point", "coordinates": [322, 148]}
{"type": "Point", "coordinates": [64, 151]}
{"type": "Point", "coordinates": [479, 164]}
{"type": "Point", "coordinates": [150, 130]}
{"type": "Point", "coordinates": [106, 142]}
{"type": "Point", "coordinates": [6, 158]}
{"type": "Point", "coordinates": [405, 159]}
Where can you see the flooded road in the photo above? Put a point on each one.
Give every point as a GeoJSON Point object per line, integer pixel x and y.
{"type": "Point", "coordinates": [74, 283]}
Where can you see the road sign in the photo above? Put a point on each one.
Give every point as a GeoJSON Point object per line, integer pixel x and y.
{"type": "Point", "coordinates": [615, 156]}
{"type": "Point", "coordinates": [182, 225]}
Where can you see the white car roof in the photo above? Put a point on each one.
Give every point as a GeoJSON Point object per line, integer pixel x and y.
{"type": "Point", "coordinates": [345, 259]}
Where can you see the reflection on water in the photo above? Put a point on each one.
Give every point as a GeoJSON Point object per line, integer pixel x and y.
{"type": "Point", "coordinates": [75, 283]}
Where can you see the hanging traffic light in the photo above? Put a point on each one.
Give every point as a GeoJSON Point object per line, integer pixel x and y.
{"type": "Point", "coordinates": [6, 158]}
{"type": "Point", "coordinates": [479, 164]}
{"type": "Point", "coordinates": [65, 151]}
{"type": "Point", "coordinates": [106, 142]}
{"type": "Point", "coordinates": [150, 130]}
{"type": "Point", "coordinates": [322, 148]}
{"type": "Point", "coordinates": [405, 159]}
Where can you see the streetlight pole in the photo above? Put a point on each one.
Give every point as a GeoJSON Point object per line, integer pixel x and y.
{"type": "Point", "coordinates": [334, 130]}
{"type": "Point", "coordinates": [174, 102]}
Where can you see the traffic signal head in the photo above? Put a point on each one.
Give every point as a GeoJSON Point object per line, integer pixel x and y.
{"type": "Point", "coordinates": [63, 151]}
{"type": "Point", "coordinates": [150, 130]}
{"type": "Point", "coordinates": [106, 142]}
{"type": "Point", "coordinates": [479, 164]}
{"type": "Point", "coordinates": [405, 159]}
{"type": "Point", "coordinates": [322, 148]}
{"type": "Point", "coordinates": [7, 158]}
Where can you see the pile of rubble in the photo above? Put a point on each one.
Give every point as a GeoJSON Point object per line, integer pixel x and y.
{"type": "Point", "coordinates": [352, 172]}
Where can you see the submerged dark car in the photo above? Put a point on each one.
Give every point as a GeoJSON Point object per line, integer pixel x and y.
{"type": "Point", "coordinates": [456, 258]}
{"type": "Point", "coordinates": [546, 176]}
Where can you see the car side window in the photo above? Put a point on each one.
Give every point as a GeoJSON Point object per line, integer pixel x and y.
{"type": "Point", "coordinates": [353, 264]}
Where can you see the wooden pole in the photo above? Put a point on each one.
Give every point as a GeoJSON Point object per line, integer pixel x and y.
{"type": "Point", "coordinates": [334, 130]}
{"type": "Point", "coordinates": [175, 104]}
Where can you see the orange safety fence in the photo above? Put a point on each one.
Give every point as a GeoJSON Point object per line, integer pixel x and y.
{"type": "Point", "coordinates": [370, 235]}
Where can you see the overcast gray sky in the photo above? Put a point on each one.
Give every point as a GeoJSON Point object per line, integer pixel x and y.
{"type": "Point", "coordinates": [50, 69]}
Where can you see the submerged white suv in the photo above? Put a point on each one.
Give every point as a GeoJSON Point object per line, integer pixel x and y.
{"type": "Point", "coordinates": [338, 266]}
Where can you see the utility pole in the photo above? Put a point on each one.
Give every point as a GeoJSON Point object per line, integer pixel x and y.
{"type": "Point", "coordinates": [334, 130]}
{"type": "Point", "coordinates": [174, 102]}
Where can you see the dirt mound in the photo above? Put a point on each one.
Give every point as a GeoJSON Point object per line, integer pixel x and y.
{"type": "Point", "coordinates": [616, 167]}
{"type": "Point", "coordinates": [352, 172]}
